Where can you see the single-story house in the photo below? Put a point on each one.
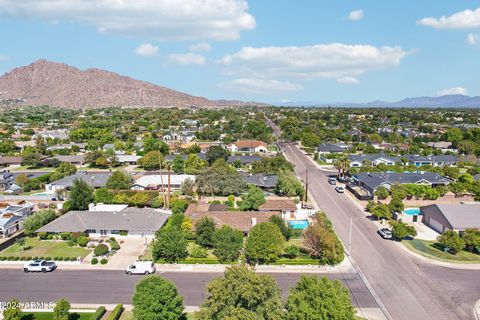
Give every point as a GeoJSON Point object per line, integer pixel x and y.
{"type": "Point", "coordinates": [371, 159]}
{"type": "Point", "coordinates": [93, 179]}
{"type": "Point", "coordinates": [127, 158]}
{"type": "Point", "coordinates": [11, 217]}
{"type": "Point", "coordinates": [14, 189]}
{"type": "Point", "coordinates": [78, 160]}
{"type": "Point", "coordinates": [264, 182]}
{"type": "Point", "coordinates": [11, 161]}
{"type": "Point", "coordinates": [8, 178]}
{"type": "Point", "coordinates": [160, 182]}
{"type": "Point", "coordinates": [241, 220]}
{"type": "Point", "coordinates": [331, 148]}
{"type": "Point", "coordinates": [142, 222]}
{"type": "Point", "coordinates": [61, 134]}
{"type": "Point", "coordinates": [243, 159]}
{"type": "Point", "coordinates": [433, 160]}
{"type": "Point", "coordinates": [252, 146]}
{"type": "Point", "coordinates": [62, 146]}
{"type": "Point", "coordinates": [374, 180]}
{"type": "Point", "coordinates": [457, 217]}
{"type": "Point", "coordinates": [443, 145]}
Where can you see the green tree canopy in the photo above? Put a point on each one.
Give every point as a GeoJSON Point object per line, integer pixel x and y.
{"type": "Point", "coordinates": [227, 243]}
{"type": "Point", "coordinates": [205, 229]}
{"type": "Point", "coordinates": [170, 245]}
{"type": "Point", "coordinates": [401, 230]}
{"type": "Point", "coordinates": [241, 294]}
{"type": "Point", "coordinates": [61, 311]}
{"type": "Point", "coordinates": [264, 244]}
{"type": "Point", "coordinates": [12, 310]}
{"type": "Point", "coordinates": [37, 220]}
{"type": "Point", "coordinates": [452, 241]}
{"type": "Point", "coordinates": [253, 199]}
{"type": "Point", "coordinates": [119, 180]}
{"type": "Point", "coordinates": [151, 160]}
{"type": "Point", "coordinates": [216, 152]}
{"type": "Point", "coordinates": [220, 179]}
{"type": "Point", "coordinates": [156, 298]}
{"type": "Point", "coordinates": [81, 195]}
{"type": "Point", "coordinates": [320, 299]}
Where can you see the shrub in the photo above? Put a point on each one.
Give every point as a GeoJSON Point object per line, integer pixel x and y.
{"type": "Point", "coordinates": [83, 241]}
{"type": "Point", "coordinates": [198, 252]}
{"type": "Point", "coordinates": [75, 235]}
{"type": "Point", "coordinates": [35, 258]}
{"type": "Point", "coordinates": [10, 258]}
{"type": "Point", "coordinates": [104, 261]}
{"type": "Point", "coordinates": [100, 250]}
{"type": "Point", "coordinates": [48, 258]}
{"type": "Point", "coordinates": [94, 261]}
{"type": "Point", "coordinates": [16, 258]}
{"type": "Point", "coordinates": [50, 237]}
{"type": "Point", "coordinates": [114, 245]}
{"type": "Point", "coordinates": [65, 236]}
{"type": "Point", "coordinates": [70, 243]}
{"type": "Point", "coordinates": [42, 235]}
{"type": "Point", "coordinates": [292, 252]}
{"type": "Point", "coordinates": [73, 259]}
{"type": "Point", "coordinates": [116, 312]}
{"type": "Point", "coordinates": [451, 241]}
{"type": "Point", "coordinates": [123, 233]}
{"type": "Point", "coordinates": [99, 313]}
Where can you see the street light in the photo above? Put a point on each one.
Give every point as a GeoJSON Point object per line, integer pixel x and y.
{"type": "Point", "coordinates": [349, 244]}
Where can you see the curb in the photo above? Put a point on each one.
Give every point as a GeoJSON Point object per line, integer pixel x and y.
{"type": "Point", "coordinates": [476, 310]}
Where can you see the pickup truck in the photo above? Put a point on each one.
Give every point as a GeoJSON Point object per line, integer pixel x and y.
{"type": "Point", "coordinates": [40, 266]}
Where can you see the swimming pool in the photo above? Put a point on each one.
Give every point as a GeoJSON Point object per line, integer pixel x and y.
{"type": "Point", "coordinates": [298, 224]}
{"type": "Point", "coordinates": [412, 211]}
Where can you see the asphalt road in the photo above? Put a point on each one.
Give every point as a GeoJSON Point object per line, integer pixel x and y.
{"type": "Point", "coordinates": [409, 288]}
{"type": "Point", "coordinates": [112, 287]}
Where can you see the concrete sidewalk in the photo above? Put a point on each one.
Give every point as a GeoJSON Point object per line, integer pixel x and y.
{"type": "Point", "coordinates": [344, 267]}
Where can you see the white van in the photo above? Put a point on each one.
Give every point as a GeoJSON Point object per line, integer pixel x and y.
{"type": "Point", "coordinates": [141, 267]}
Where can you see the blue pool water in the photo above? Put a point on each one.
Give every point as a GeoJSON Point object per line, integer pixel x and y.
{"type": "Point", "coordinates": [298, 224]}
{"type": "Point", "coordinates": [412, 211]}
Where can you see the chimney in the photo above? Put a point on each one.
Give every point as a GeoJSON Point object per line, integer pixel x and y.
{"type": "Point", "coordinates": [254, 222]}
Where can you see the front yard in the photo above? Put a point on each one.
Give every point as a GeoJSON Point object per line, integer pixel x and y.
{"type": "Point", "coordinates": [432, 250]}
{"type": "Point", "coordinates": [49, 316]}
{"type": "Point", "coordinates": [35, 247]}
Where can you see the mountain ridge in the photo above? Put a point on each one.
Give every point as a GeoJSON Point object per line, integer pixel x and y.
{"type": "Point", "coordinates": [57, 84]}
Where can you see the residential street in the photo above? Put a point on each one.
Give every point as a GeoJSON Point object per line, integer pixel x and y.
{"type": "Point", "coordinates": [409, 288]}
{"type": "Point", "coordinates": [111, 287]}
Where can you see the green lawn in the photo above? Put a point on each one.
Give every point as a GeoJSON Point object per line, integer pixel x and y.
{"type": "Point", "coordinates": [49, 316]}
{"type": "Point", "coordinates": [431, 249]}
{"type": "Point", "coordinates": [44, 248]}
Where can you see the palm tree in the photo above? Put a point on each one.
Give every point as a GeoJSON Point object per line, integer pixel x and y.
{"type": "Point", "coordinates": [342, 165]}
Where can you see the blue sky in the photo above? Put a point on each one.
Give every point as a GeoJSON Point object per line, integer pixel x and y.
{"type": "Point", "coordinates": [263, 50]}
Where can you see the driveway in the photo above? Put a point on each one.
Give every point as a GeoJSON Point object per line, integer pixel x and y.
{"type": "Point", "coordinates": [130, 249]}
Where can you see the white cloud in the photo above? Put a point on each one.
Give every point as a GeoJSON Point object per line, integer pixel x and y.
{"type": "Point", "coordinates": [331, 61]}
{"type": "Point", "coordinates": [260, 86]}
{"type": "Point", "coordinates": [187, 58]}
{"type": "Point", "coordinates": [355, 15]}
{"type": "Point", "coordinates": [3, 57]}
{"type": "Point", "coordinates": [348, 80]}
{"type": "Point", "coordinates": [200, 47]}
{"type": "Point", "coordinates": [467, 19]}
{"type": "Point", "coordinates": [455, 90]}
{"type": "Point", "coordinates": [147, 50]}
{"type": "Point", "coordinates": [473, 39]}
{"type": "Point", "coordinates": [156, 19]}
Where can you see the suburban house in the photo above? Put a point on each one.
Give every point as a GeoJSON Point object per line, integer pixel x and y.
{"type": "Point", "coordinates": [160, 182]}
{"type": "Point", "coordinates": [11, 217]}
{"type": "Point", "coordinates": [374, 180]}
{"type": "Point", "coordinates": [61, 134]}
{"type": "Point", "coordinates": [10, 161]}
{"type": "Point", "coordinates": [93, 179]}
{"type": "Point", "coordinates": [457, 217]}
{"type": "Point", "coordinates": [288, 208]}
{"type": "Point", "coordinates": [433, 160]}
{"type": "Point", "coordinates": [78, 160]}
{"type": "Point", "coordinates": [371, 160]}
{"type": "Point", "coordinates": [267, 183]}
{"type": "Point", "coordinates": [251, 146]}
{"type": "Point", "coordinates": [245, 159]}
{"type": "Point", "coordinates": [117, 220]}
{"type": "Point", "coordinates": [7, 179]}
{"type": "Point", "coordinates": [127, 158]}
{"type": "Point", "coordinates": [241, 220]}
{"type": "Point", "coordinates": [63, 146]}
{"type": "Point", "coordinates": [331, 148]}
{"type": "Point", "coordinates": [442, 145]}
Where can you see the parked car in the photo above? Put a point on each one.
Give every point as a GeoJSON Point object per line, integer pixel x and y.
{"type": "Point", "coordinates": [141, 267]}
{"type": "Point", "coordinates": [340, 189]}
{"type": "Point", "coordinates": [385, 233]}
{"type": "Point", "coordinates": [332, 180]}
{"type": "Point", "coordinates": [39, 266]}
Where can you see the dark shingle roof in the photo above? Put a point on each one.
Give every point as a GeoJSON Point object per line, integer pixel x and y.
{"type": "Point", "coordinates": [244, 159]}
{"type": "Point", "coordinates": [329, 147]}
{"type": "Point", "coordinates": [375, 179]}
{"type": "Point", "coordinates": [93, 179]}
{"type": "Point", "coordinates": [261, 180]}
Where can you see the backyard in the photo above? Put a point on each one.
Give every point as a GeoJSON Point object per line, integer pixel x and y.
{"type": "Point", "coordinates": [35, 247]}
{"type": "Point", "coordinates": [432, 250]}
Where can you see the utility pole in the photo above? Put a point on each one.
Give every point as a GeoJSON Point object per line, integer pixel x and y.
{"type": "Point", "coordinates": [350, 235]}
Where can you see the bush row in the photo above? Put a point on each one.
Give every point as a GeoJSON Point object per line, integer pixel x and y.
{"type": "Point", "coordinates": [28, 258]}
{"type": "Point", "coordinates": [102, 261]}
{"type": "Point", "coordinates": [116, 312]}
{"type": "Point", "coordinates": [99, 313]}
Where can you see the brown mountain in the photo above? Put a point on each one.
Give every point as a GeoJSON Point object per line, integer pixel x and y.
{"type": "Point", "coordinates": [56, 84]}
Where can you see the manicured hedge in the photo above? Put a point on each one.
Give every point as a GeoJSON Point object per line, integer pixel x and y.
{"type": "Point", "coordinates": [116, 312]}
{"type": "Point", "coordinates": [99, 313]}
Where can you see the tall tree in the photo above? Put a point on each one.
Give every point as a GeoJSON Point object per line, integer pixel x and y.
{"type": "Point", "coordinates": [253, 199]}
{"type": "Point", "coordinates": [220, 179]}
{"type": "Point", "coordinates": [320, 299]}
{"type": "Point", "coordinates": [216, 152]}
{"type": "Point", "coordinates": [241, 294]}
{"type": "Point", "coordinates": [264, 244]}
{"type": "Point", "coordinates": [81, 195]}
{"type": "Point", "coordinates": [156, 298]}
{"type": "Point", "coordinates": [205, 229]}
{"type": "Point", "coordinates": [170, 245]}
{"type": "Point", "coordinates": [227, 243]}
{"type": "Point", "coordinates": [119, 180]}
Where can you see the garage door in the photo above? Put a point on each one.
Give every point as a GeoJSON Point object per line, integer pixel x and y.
{"type": "Point", "coordinates": [435, 225]}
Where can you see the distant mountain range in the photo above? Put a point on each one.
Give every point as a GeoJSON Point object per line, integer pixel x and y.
{"type": "Point", "coordinates": [56, 84]}
{"type": "Point", "coordinates": [447, 101]}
